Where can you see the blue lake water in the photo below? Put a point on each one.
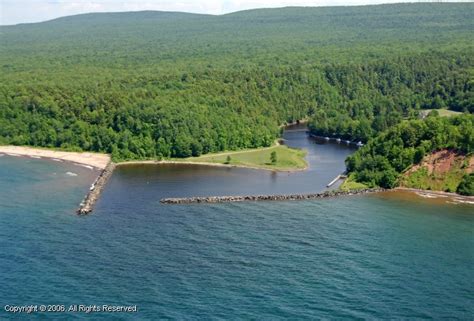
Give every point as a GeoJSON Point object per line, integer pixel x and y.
{"type": "Point", "coordinates": [385, 256]}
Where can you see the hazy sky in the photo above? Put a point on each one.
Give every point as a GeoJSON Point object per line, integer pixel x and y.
{"type": "Point", "coordinates": [19, 11]}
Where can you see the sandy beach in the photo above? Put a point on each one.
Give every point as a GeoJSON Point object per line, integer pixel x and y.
{"type": "Point", "coordinates": [96, 160]}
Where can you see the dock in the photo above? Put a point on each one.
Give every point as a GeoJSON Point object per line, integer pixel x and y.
{"type": "Point", "coordinates": [333, 181]}
{"type": "Point", "coordinates": [87, 205]}
{"type": "Point", "coordinates": [338, 177]}
{"type": "Point", "coordinates": [337, 139]}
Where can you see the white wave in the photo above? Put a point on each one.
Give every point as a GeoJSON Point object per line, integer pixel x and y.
{"type": "Point", "coordinates": [32, 156]}
{"type": "Point", "coordinates": [86, 166]}
{"type": "Point", "coordinates": [56, 160]}
{"type": "Point", "coordinates": [71, 174]}
{"type": "Point", "coordinates": [459, 200]}
{"type": "Point", "coordinates": [427, 195]}
{"type": "Point", "coordinates": [431, 195]}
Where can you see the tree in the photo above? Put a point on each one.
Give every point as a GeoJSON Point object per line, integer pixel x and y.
{"type": "Point", "coordinates": [466, 187]}
{"type": "Point", "coordinates": [273, 157]}
{"type": "Point", "coordinates": [228, 159]}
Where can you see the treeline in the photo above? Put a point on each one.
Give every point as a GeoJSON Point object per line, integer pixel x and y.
{"type": "Point", "coordinates": [380, 162]}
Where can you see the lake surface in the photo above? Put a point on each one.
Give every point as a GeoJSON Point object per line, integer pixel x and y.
{"type": "Point", "coordinates": [384, 256]}
{"type": "Point", "coordinates": [152, 182]}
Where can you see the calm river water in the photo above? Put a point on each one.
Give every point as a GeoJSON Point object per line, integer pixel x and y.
{"type": "Point", "coordinates": [386, 256]}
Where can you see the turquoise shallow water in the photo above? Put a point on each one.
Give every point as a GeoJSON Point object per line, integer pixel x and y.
{"type": "Point", "coordinates": [369, 257]}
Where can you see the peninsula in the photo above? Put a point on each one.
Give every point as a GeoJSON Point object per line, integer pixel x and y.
{"type": "Point", "coordinates": [285, 159]}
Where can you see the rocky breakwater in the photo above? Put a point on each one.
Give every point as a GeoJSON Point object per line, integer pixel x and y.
{"type": "Point", "coordinates": [87, 205]}
{"type": "Point", "coordinates": [251, 198]}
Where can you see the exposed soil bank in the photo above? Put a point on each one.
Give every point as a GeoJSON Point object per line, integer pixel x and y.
{"type": "Point", "coordinates": [96, 160]}
{"type": "Point", "coordinates": [87, 205]}
{"type": "Point", "coordinates": [250, 198]}
{"type": "Point", "coordinates": [442, 170]}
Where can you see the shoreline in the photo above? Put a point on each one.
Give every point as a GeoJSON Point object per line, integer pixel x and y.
{"type": "Point", "coordinates": [431, 194]}
{"type": "Point", "coordinates": [93, 161]}
{"type": "Point", "coordinates": [102, 162]}
{"type": "Point", "coordinates": [85, 159]}
{"type": "Point", "coordinates": [186, 161]}
{"type": "Point", "coordinates": [157, 162]}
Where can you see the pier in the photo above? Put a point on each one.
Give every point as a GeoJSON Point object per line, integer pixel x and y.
{"type": "Point", "coordinates": [338, 177]}
{"type": "Point", "coordinates": [333, 181]}
{"type": "Point", "coordinates": [336, 139]}
{"type": "Point", "coordinates": [253, 198]}
{"type": "Point", "coordinates": [87, 205]}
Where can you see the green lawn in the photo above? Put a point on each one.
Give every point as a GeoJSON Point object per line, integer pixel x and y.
{"type": "Point", "coordinates": [286, 158]}
{"type": "Point", "coordinates": [350, 184]}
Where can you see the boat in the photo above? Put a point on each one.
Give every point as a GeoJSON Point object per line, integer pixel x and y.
{"type": "Point", "coordinates": [326, 138]}
{"type": "Point", "coordinates": [359, 144]}
{"type": "Point", "coordinates": [338, 140]}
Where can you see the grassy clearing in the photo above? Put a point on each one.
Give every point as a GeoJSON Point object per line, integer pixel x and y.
{"type": "Point", "coordinates": [441, 112]}
{"type": "Point", "coordinates": [350, 184]}
{"type": "Point", "coordinates": [287, 159]}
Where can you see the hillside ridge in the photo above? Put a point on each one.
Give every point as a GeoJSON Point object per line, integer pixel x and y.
{"type": "Point", "coordinates": [308, 9]}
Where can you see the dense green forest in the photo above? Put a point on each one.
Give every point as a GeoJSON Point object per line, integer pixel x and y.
{"type": "Point", "coordinates": [384, 158]}
{"type": "Point", "coordinates": [162, 84]}
{"type": "Point", "coordinates": [466, 187]}
{"type": "Point", "coordinates": [368, 99]}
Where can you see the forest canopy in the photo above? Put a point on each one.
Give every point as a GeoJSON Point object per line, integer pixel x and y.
{"type": "Point", "coordinates": [161, 84]}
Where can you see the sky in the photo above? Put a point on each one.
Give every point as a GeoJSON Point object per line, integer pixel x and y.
{"type": "Point", "coordinates": [21, 11]}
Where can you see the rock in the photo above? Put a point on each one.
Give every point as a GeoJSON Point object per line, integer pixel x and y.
{"type": "Point", "coordinates": [91, 198]}
{"type": "Point", "coordinates": [221, 199]}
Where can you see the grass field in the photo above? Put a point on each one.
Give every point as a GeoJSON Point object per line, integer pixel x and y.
{"type": "Point", "coordinates": [287, 159]}
{"type": "Point", "coordinates": [350, 185]}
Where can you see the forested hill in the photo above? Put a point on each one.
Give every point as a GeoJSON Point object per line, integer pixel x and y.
{"type": "Point", "coordinates": [288, 34]}
{"type": "Point", "coordinates": [160, 84]}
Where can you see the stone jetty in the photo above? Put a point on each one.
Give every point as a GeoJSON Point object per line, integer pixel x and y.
{"type": "Point", "coordinates": [87, 205]}
{"type": "Point", "coordinates": [252, 198]}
